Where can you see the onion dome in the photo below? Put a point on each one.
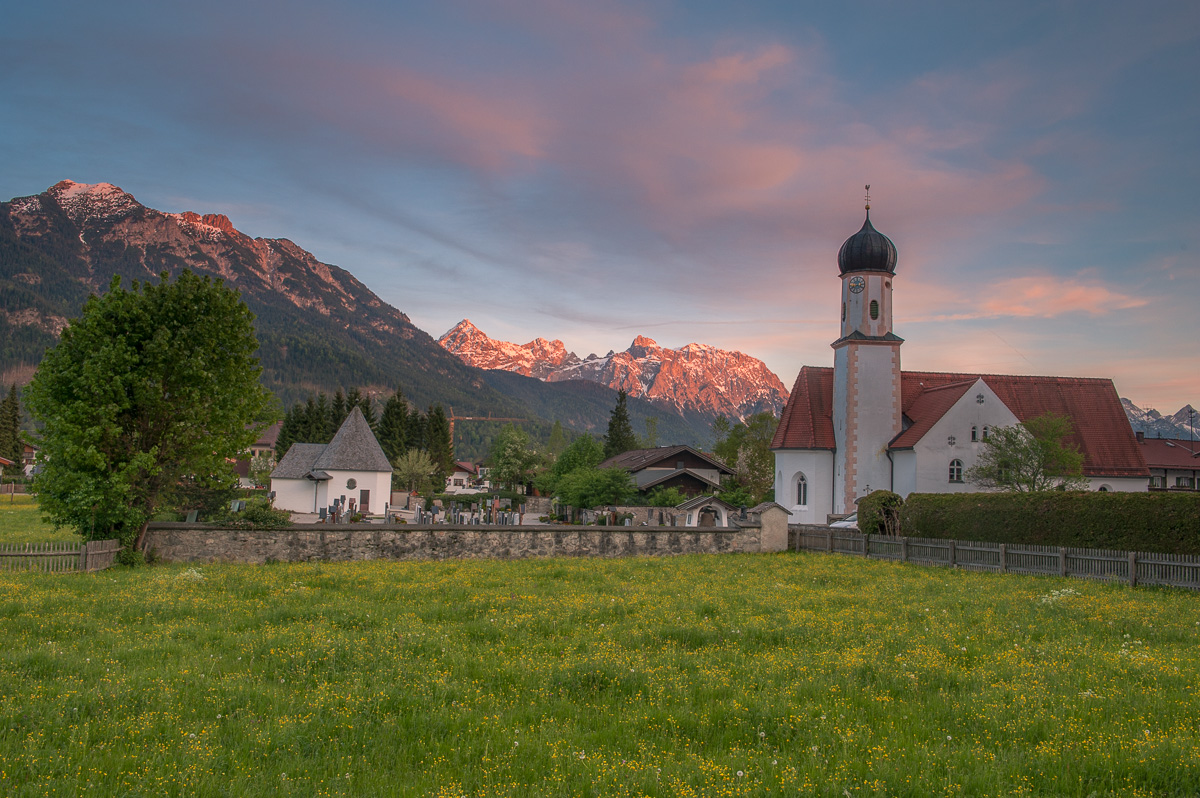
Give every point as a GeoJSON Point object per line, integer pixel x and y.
{"type": "Point", "coordinates": [868, 250]}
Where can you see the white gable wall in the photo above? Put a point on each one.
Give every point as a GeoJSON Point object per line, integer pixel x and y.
{"type": "Point", "coordinates": [379, 483]}
{"type": "Point", "coordinates": [933, 452]}
{"type": "Point", "coordinates": [295, 495]}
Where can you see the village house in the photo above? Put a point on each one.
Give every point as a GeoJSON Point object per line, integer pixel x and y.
{"type": "Point", "coordinates": [691, 471]}
{"type": "Point", "coordinates": [866, 425]}
{"type": "Point", "coordinates": [466, 478]}
{"type": "Point", "coordinates": [1174, 464]}
{"type": "Point", "coordinates": [352, 470]}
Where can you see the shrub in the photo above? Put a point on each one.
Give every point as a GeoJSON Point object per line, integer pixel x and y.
{"type": "Point", "coordinates": [1150, 522]}
{"type": "Point", "coordinates": [879, 513]}
{"type": "Point", "coordinates": [258, 514]}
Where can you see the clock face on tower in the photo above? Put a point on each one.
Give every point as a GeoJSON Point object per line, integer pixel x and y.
{"type": "Point", "coordinates": [857, 284]}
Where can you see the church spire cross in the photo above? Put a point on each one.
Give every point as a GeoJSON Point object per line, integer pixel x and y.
{"type": "Point", "coordinates": [868, 196]}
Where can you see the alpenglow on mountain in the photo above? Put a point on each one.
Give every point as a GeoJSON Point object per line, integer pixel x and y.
{"type": "Point", "coordinates": [695, 377]}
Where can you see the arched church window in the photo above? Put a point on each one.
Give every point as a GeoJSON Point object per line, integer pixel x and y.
{"type": "Point", "coordinates": [985, 433]}
{"type": "Point", "coordinates": [802, 491]}
{"type": "Point", "coordinates": [974, 433]}
{"type": "Point", "coordinates": [874, 309]}
{"type": "Point", "coordinates": [956, 471]}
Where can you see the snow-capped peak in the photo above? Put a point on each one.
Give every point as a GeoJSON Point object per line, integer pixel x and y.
{"type": "Point", "coordinates": [83, 201]}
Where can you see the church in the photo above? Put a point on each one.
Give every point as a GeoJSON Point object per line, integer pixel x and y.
{"type": "Point", "coordinates": [867, 425]}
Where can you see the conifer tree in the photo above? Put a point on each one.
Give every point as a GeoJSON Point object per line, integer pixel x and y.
{"type": "Point", "coordinates": [438, 443]}
{"type": "Point", "coordinates": [339, 408]}
{"type": "Point", "coordinates": [558, 441]}
{"type": "Point", "coordinates": [323, 420]}
{"type": "Point", "coordinates": [11, 445]}
{"type": "Point", "coordinates": [620, 437]}
{"type": "Point", "coordinates": [393, 426]}
{"type": "Point", "coordinates": [288, 430]}
{"type": "Point", "coordinates": [415, 434]}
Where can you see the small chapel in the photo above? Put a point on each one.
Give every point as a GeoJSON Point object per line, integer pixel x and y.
{"type": "Point", "coordinates": [866, 424]}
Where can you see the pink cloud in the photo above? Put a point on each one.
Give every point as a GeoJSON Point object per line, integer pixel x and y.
{"type": "Point", "coordinates": [1045, 296]}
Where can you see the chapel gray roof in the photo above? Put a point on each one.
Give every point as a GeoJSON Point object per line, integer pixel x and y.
{"type": "Point", "coordinates": [353, 448]}
{"type": "Point", "coordinates": [298, 461]}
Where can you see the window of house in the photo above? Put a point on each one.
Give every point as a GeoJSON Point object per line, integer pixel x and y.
{"type": "Point", "coordinates": [874, 309]}
{"type": "Point", "coordinates": [1183, 482]}
{"type": "Point", "coordinates": [956, 471]}
{"type": "Point", "coordinates": [985, 433]}
{"type": "Point", "coordinates": [1158, 482]}
{"type": "Point", "coordinates": [802, 491]}
{"type": "Point", "coordinates": [1103, 489]}
{"type": "Point", "coordinates": [974, 433]}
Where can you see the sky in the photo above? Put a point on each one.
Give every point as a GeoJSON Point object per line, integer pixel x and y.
{"type": "Point", "coordinates": [591, 171]}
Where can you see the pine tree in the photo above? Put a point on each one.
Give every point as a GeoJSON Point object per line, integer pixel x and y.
{"type": "Point", "coordinates": [324, 420]}
{"type": "Point", "coordinates": [393, 426]}
{"type": "Point", "coordinates": [620, 437]}
{"type": "Point", "coordinates": [438, 443]}
{"type": "Point", "coordinates": [558, 441]}
{"type": "Point", "coordinates": [367, 406]}
{"type": "Point", "coordinates": [339, 408]}
{"type": "Point", "coordinates": [289, 430]}
{"type": "Point", "coordinates": [11, 445]}
{"type": "Point", "coordinates": [415, 434]}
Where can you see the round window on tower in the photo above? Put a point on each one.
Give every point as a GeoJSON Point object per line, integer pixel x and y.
{"type": "Point", "coordinates": [874, 309]}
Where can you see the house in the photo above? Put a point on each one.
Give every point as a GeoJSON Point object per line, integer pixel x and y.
{"type": "Point", "coordinates": [266, 440]}
{"type": "Point", "coordinates": [465, 478]}
{"type": "Point", "coordinates": [29, 459]}
{"type": "Point", "coordinates": [352, 469]}
{"type": "Point", "coordinates": [866, 424]}
{"type": "Point", "coordinates": [1174, 464]}
{"type": "Point", "coordinates": [682, 467]}
{"type": "Point", "coordinates": [5, 463]}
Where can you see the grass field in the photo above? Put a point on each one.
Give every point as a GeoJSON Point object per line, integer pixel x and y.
{"type": "Point", "coordinates": [697, 676]}
{"type": "Point", "coordinates": [21, 522]}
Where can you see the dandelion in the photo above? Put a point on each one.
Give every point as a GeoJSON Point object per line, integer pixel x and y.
{"type": "Point", "coordinates": [740, 774]}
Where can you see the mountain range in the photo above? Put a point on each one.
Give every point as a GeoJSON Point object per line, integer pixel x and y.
{"type": "Point", "coordinates": [320, 329]}
{"type": "Point", "coordinates": [693, 378]}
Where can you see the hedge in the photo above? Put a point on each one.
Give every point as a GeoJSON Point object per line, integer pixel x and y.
{"type": "Point", "coordinates": [1151, 522]}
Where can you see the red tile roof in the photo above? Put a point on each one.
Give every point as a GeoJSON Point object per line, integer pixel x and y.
{"type": "Point", "coordinates": [1102, 431]}
{"type": "Point", "coordinates": [807, 421]}
{"type": "Point", "coordinates": [1164, 453]}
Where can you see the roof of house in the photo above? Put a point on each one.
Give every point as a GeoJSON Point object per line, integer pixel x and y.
{"type": "Point", "coordinates": [648, 479]}
{"type": "Point", "coordinates": [353, 448]}
{"type": "Point", "coordinates": [6, 462]}
{"type": "Point", "coordinates": [1102, 430]}
{"type": "Point", "coordinates": [636, 459]}
{"type": "Point", "coordinates": [270, 435]}
{"type": "Point", "coordinates": [1168, 453]}
{"type": "Point", "coordinates": [469, 468]}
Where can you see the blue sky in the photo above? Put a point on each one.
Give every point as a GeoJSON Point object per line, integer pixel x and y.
{"type": "Point", "coordinates": [591, 171]}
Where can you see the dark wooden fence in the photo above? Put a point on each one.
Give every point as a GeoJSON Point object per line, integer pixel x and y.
{"type": "Point", "coordinates": [1135, 568]}
{"type": "Point", "coordinates": [94, 555]}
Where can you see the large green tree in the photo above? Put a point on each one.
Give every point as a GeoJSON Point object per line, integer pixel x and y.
{"type": "Point", "coordinates": [438, 443]}
{"type": "Point", "coordinates": [620, 437]}
{"type": "Point", "coordinates": [1031, 456]}
{"type": "Point", "coordinates": [393, 426]}
{"type": "Point", "coordinates": [595, 487]}
{"type": "Point", "coordinates": [746, 447]}
{"type": "Point", "coordinates": [152, 388]}
{"type": "Point", "coordinates": [513, 459]}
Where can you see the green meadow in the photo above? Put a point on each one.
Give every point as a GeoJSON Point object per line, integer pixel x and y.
{"type": "Point", "coordinates": [747, 675]}
{"type": "Point", "coordinates": [21, 522]}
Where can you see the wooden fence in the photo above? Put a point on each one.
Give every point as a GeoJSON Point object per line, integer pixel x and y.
{"type": "Point", "coordinates": [94, 555]}
{"type": "Point", "coordinates": [1135, 568]}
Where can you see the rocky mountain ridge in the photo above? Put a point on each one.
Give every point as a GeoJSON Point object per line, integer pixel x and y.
{"type": "Point", "coordinates": [695, 377]}
{"type": "Point", "coordinates": [1184, 424]}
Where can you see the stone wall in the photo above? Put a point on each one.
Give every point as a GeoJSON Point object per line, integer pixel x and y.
{"type": "Point", "coordinates": [181, 542]}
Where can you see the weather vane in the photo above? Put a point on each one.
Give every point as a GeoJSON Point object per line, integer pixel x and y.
{"type": "Point", "coordinates": [868, 196]}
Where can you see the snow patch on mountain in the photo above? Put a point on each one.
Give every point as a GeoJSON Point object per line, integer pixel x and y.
{"type": "Point", "coordinates": [84, 202]}
{"type": "Point", "coordinates": [1184, 424]}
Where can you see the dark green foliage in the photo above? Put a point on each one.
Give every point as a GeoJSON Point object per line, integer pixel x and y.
{"type": "Point", "coordinates": [879, 513]}
{"type": "Point", "coordinates": [513, 459]}
{"type": "Point", "coordinates": [557, 442]}
{"type": "Point", "coordinates": [415, 434]}
{"type": "Point", "coordinates": [12, 446]}
{"type": "Point", "coordinates": [595, 487]}
{"type": "Point", "coordinates": [620, 437]}
{"type": "Point", "coordinates": [1151, 522]}
{"type": "Point", "coordinates": [438, 444]}
{"type": "Point", "coordinates": [583, 452]}
{"type": "Point", "coordinates": [393, 426]}
{"type": "Point", "coordinates": [258, 514]}
{"type": "Point", "coordinates": [736, 494]}
{"type": "Point", "coordinates": [665, 497]}
{"type": "Point", "coordinates": [1033, 456]}
{"type": "Point", "coordinates": [151, 388]}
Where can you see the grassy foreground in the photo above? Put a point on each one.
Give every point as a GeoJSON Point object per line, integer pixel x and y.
{"type": "Point", "coordinates": [21, 522]}
{"type": "Point", "coordinates": [706, 676]}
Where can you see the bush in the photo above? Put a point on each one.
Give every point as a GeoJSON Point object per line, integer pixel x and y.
{"type": "Point", "coordinates": [1151, 522]}
{"type": "Point", "coordinates": [258, 514]}
{"type": "Point", "coordinates": [879, 513]}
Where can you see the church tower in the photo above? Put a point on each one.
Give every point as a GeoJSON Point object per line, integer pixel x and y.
{"type": "Point", "coordinates": [866, 368]}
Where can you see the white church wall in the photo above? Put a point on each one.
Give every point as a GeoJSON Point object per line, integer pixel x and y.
{"type": "Point", "coordinates": [294, 495]}
{"type": "Point", "coordinates": [904, 472]}
{"type": "Point", "coordinates": [379, 483]}
{"type": "Point", "coordinates": [817, 468]}
{"type": "Point", "coordinates": [934, 452]}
